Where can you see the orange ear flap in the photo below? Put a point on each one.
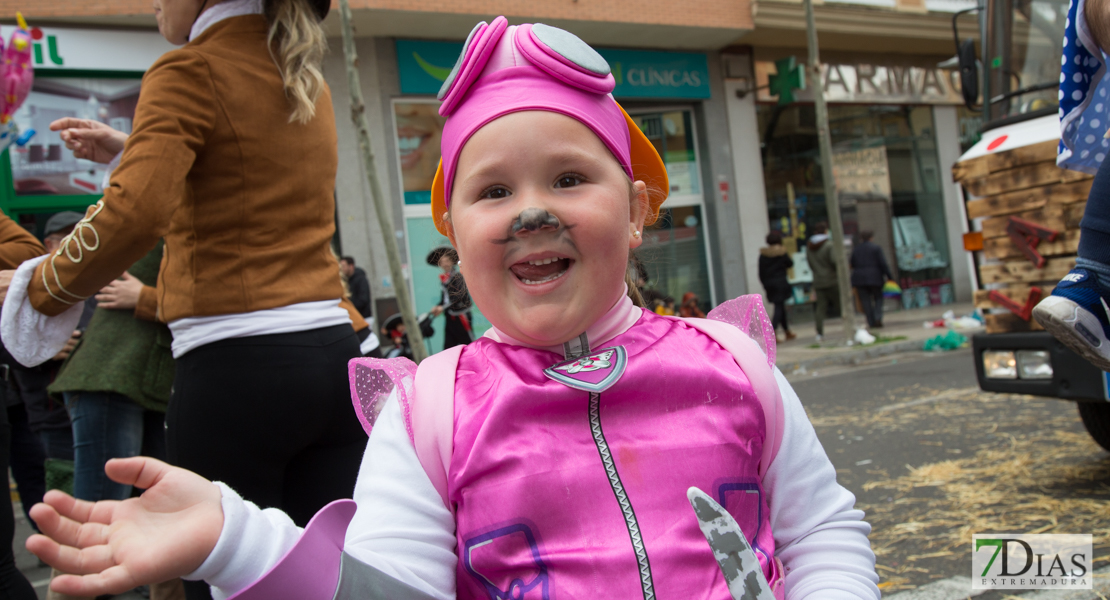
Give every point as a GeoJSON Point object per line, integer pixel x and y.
{"type": "Point", "coordinates": [647, 166]}
{"type": "Point", "coordinates": [439, 203]}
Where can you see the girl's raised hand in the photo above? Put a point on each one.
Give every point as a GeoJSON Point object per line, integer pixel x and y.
{"type": "Point", "coordinates": [112, 546]}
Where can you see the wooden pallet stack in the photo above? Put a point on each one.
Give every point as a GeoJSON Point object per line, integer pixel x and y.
{"type": "Point", "coordinates": [1026, 183]}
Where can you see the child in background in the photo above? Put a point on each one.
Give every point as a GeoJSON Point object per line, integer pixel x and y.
{"type": "Point", "coordinates": [549, 458]}
{"type": "Point", "coordinates": [1077, 313]}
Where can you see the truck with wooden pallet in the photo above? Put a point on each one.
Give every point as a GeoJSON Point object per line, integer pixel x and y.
{"type": "Point", "coordinates": [1023, 211]}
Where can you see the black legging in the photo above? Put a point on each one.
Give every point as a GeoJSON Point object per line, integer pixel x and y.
{"type": "Point", "coordinates": [270, 416]}
{"type": "Point", "coordinates": [779, 317]}
{"type": "Point", "coordinates": [13, 585]}
{"type": "Point", "coordinates": [455, 331]}
{"type": "Point", "coordinates": [871, 297]}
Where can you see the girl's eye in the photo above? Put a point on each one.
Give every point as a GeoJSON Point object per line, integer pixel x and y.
{"type": "Point", "coordinates": [568, 180]}
{"type": "Point", "coordinates": [495, 193]}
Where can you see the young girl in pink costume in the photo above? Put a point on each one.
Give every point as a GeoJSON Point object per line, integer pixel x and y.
{"type": "Point", "coordinates": [550, 458]}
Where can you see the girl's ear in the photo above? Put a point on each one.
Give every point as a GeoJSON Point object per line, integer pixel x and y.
{"type": "Point", "coordinates": [450, 229]}
{"type": "Point", "coordinates": [638, 213]}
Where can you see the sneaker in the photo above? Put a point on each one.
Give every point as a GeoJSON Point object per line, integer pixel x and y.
{"type": "Point", "coordinates": [820, 337]}
{"type": "Point", "coordinates": [1078, 315]}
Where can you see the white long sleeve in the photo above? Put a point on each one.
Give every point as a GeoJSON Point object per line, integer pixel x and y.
{"type": "Point", "coordinates": [251, 541]}
{"type": "Point", "coordinates": [402, 528]}
{"type": "Point", "coordinates": [819, 537]}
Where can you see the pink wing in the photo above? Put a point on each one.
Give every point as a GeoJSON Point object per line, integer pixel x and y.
{"type": "Point", "coordinates": [18, 74]}
{"type": "Point", "coordinates": [747, 314]}
{"type": "Point", "coordinates": [373, 380]}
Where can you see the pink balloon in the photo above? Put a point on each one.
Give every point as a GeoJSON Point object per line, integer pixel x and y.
{"type": "Point", "coordinates": [16, 74]}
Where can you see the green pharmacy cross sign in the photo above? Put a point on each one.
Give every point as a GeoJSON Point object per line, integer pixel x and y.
{"type": "Point", "coordinates": [789, 76]}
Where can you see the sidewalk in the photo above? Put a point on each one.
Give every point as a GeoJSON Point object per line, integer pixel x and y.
{"type": "Point", "coordinates": [904, 326]}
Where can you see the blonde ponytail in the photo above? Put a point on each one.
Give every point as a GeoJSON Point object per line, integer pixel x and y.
{"type": "Point", "coordinates": [297, 44]}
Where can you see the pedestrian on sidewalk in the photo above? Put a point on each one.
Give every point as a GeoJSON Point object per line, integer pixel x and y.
{"type": "Point", "coordinates": [232, 159]}
{"type": "Point", "coordinates": [773, 265]}
{"type": "Point", "coordinates": [358, 285]}
{"type": "Point", "coordinates": [454, 303]}
{"type": "Point", "coordinates": [869, 272]}
{"type": "Point", "coordinates": [826, 288]}
{"type": "Point", "coordinates": [690, 307]}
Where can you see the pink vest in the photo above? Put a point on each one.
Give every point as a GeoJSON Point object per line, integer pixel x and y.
{"type": "Point", "coordinates": [559, 492]}
{"type": "Point", "coordinates": [566, 481]}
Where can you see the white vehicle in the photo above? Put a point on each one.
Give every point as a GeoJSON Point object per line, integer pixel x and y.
{"type": "Point", "coordinates": [1023, 211]}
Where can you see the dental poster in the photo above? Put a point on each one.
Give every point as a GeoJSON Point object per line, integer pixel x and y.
{"type": "Point", "coordinates": [419, 129]}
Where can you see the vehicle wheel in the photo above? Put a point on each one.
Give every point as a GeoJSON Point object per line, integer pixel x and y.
{"type": "Point", "coordinates": [1096, 418]}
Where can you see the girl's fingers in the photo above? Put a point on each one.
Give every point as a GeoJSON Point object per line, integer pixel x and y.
{"type": "Point", "coordinates": [140, 471]}
{"type": "Point", "coordinates": [113, 580]}
{"type": "Point", "coordinates": [67, 531]}
{"type": "Point", "coordinates": [69, 559]}
{"type": "Point", "coordinates": [79, 510]}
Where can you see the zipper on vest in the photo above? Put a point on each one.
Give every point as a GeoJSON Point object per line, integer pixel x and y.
{"type": "Point", "coordinates": [622, 498]}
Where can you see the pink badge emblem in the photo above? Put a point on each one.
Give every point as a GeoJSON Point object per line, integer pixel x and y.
{"type": "Point", "coordinates": [595, 372]}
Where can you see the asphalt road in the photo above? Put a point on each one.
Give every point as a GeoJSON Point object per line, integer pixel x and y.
{"type": "Point", "coordinates": [932, 459]}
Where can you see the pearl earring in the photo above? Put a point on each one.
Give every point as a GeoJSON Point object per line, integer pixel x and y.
{"type": "Point", "coordinates": [636, 234]}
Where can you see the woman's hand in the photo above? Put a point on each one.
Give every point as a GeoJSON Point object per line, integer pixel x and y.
{"type": "Point", "coordinates": [71, 345]}
{"type": "Point", "coordinates": [121, 294]}
{"type": "Point", "coordinates": [111, 546]}
{"type": "Point", "coordinates": [90, 139]}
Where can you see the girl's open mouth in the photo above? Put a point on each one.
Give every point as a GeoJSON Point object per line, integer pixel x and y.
{"type": "Point", "coordinates": [543, 270]}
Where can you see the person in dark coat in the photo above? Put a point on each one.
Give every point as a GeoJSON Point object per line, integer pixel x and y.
{"type": "Point", "coordinates": [869, 272]}
{"type": "Point", "coordinates": [455, 302]}
{"type": "Point", "coordinates": [773, 264]}
{"type": "Point", "coordinates": [826, 288]}
{"type": "Point", "coordinates": [358, 284]}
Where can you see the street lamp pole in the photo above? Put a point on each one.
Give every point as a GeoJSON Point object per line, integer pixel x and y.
{"type": "Point", "coordinates": [832, 200]}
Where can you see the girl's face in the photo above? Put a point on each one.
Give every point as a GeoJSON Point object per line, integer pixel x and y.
{"type": "Point", "coordinates": [546, 286]}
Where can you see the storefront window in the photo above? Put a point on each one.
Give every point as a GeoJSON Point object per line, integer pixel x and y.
{"type": "Point", "coordinates": [674, 251]}
{"type": "Point", "coordinates": [672, 135]}
{"type": "Point", "coordinates": [889, 182]}
{"type": "Point", "coordinates": [674, 256]}
{"type": "Point", "coordinates": [43, 166]}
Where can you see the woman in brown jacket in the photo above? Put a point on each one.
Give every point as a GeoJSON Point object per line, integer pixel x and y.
{"type": "Point", "coordinates": [232, 160]}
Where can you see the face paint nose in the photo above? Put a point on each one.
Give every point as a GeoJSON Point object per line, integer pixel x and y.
{"type": "Point", "coordinates": [533, 220]}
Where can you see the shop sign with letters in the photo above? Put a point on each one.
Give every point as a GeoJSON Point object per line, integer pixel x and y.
{"type": "Point", "coordinates": [864, 83]}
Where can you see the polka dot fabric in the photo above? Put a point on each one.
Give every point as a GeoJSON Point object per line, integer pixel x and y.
{"type": "Point", "coordinates": [373, 380]}
{"type": "Point", "coordinates": [1084, 97]}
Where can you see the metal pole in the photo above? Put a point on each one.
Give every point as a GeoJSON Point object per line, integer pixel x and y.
{"type": "Point", "coordinates": [358, 115]}
{"type": "Point", "coordinates": [832, 200]}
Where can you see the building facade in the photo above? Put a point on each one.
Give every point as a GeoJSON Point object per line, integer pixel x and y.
{"type": "Point", "coordinates": [697, 78]}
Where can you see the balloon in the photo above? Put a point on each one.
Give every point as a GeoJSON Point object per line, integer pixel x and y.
{"type": "Point", "coordinates": [17, 72]}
